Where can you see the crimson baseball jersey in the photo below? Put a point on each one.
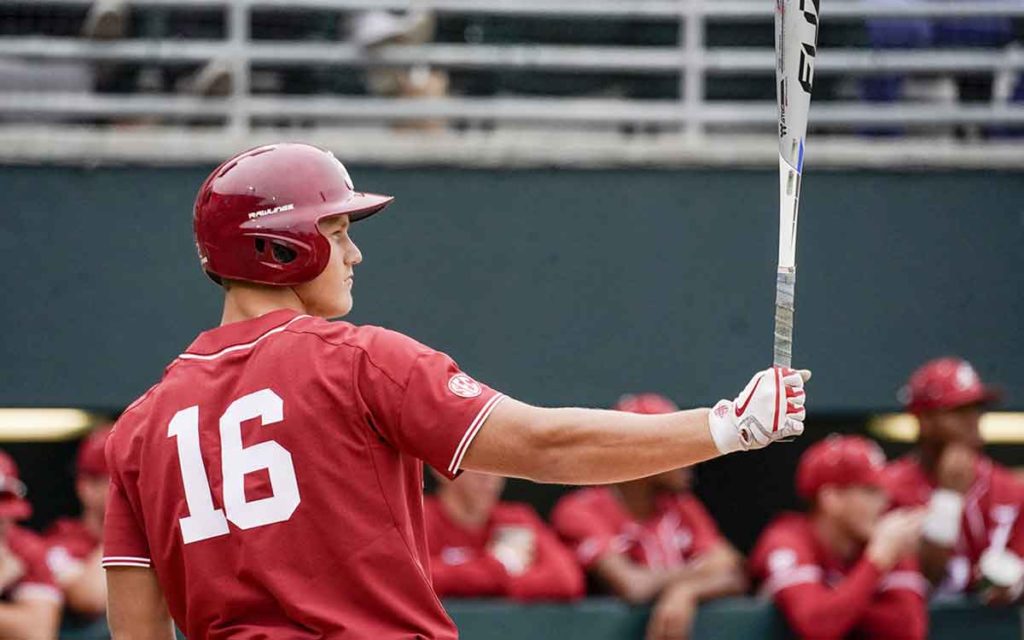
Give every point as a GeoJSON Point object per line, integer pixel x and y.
{"type": "Point", "coordinates": [36, 581]}
{"type": "Point", "coordinates": [71, 535]}
{"type": "Point", "coordinates": [462, 566]}
{"type": "Point", "coordinates": [273, 479]}
{"type": "Point", "coordinates": [68, 542]}
{"type": "Point", "coordinates": [991, 509]}
{"type": "Point", "coordinates": [824, 597]}
{"type": "Point", "coordinates": [595, 523]}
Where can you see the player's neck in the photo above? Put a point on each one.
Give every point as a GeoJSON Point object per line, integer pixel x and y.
{"type": "Point", "coordinates": [832, 536]}
{"type": "Point", "coordinates": [639, 498]}
{"type": "Point", "coordinates": [463, 513]}
{"type": "Point", "coordinates": [247, 301]}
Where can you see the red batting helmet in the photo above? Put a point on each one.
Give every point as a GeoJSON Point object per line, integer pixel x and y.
{"type": "Point", "coordinates": [256, 215]}
{"type": "Point", "coordinates": [840, 461]}
{"type": "Point", "coordinates": [945, 383]}
{"type": "Point", "coordinates": [649, 403]}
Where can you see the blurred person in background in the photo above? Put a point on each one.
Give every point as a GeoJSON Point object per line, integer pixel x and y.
{"type": "Point", "coordinates": [481, 546]}
{"type": "Point", "coordinates": [973, 504]}
{"type": "Point", "coordinates": [651, 540]}
{"type": "Point", "coordinates": [75, 544]}
{"type": "Point", "coordinates": [845, 568]}
{"type": "Point", "coordinates": [30, 600]}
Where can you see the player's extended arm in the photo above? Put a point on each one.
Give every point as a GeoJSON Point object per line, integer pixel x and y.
{"type": "Point", "coordinates": [31, 619]}
{"type": "Point", "coordinates": [814, 610]}
{"type": "Point", "coordinates": [136, 608]}
{"type": "Point", "coordinates": [897, 613]}
{"type": "Point", "coordinates": [593, 446]}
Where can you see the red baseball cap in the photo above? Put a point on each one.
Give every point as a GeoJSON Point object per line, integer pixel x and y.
{"type": "Point", "coordinates": [647, 403]}
{"type": "Point", "coordinates": [12, 491]}
{"type": "Point", "coordinates": [92, 460]}
{"type": "Point", "coordinates": [840, 461]}
{"type": "Point", "coordinates": [945, 383]}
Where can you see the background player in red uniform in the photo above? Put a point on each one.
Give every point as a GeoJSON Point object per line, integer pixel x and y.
{"type": "Point", "coordinates": [651, 539]}
{"type": "Point", "coordinates": [973, 503]}
{"type": "Point", "coordinates": [75, 544]}
{"type": "Point", "coordinates": [844, 569]}
{"type": "Point", "coordinates": [270, 484]}
{"type": "Point", "coordinates": [481, 546]}
{"type": "Point", "coordinates": [29, 598]}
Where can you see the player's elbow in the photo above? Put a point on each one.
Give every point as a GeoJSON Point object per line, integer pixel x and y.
{"type": "Point", "coordinates": [548, 452]}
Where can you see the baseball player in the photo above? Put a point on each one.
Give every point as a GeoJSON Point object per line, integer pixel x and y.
{"type": "Point", "coordinates": [973, 503]}
{"type": "Point", "coordinates": [844, 569]}
{"type": "Point", "coordinates": [75, 543]}
{"type": "Point", "coordinates": [481, 546]}
{"type": "Point", "coordinates": [30, 600]}
{"type": "Point", "coordinates": [651, 539]}
{"type": "Point", "coordinates": [270, 485]}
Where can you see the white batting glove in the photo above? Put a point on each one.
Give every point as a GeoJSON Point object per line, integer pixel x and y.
{"type": "Point", "coordinates": [769, 409]}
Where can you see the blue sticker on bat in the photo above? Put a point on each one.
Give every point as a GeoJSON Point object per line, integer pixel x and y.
{"type": "Point", "coordinates": [800, 158]}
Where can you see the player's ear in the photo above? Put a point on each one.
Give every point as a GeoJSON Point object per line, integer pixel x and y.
{"type": "Point", "coordinates": [828, 501]}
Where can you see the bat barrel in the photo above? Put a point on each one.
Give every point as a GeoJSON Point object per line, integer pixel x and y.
{"type": "Point", "coordinates": [785, 291]}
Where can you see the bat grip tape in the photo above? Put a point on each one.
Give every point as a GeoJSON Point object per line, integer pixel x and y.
{"type": "Point", "coordinates": [785, 291]}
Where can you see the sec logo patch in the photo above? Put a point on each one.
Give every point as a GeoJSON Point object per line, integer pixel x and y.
{"type": "Point", "coordinates": [463, 386]}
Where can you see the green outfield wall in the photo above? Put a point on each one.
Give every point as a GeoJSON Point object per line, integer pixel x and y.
{"type": "Point", "coordinates": [555, 286]}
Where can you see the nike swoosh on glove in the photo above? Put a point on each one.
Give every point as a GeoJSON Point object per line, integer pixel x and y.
{"type": "Point", "coordinates": [769, 409]}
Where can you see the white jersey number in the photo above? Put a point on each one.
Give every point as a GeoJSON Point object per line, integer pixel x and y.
{"type": "Point", "coordinates": [204, 520]}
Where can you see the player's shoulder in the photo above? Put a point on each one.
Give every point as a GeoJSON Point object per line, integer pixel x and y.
{"type": "Point", "coordinates": [688, 502]}
{"type": "Point", "coordinates": [900, 468]}
{"type": "Point", "coordinates": [785, 543]}
{"type": "Point", "coordinates": [25, 542]}
{"type": "Point", "coordinates": [516, 513]}
{"type": "Point", "coordinates": [906, 481]}
{"type": "Point", "coordinates": [384, 348]}
{"type": "Point", "coordinates": [788, 529]}
{"type": "Point", "coordinates": [589, 499]}
{"type": "Point", "coordinates": [62, 529]}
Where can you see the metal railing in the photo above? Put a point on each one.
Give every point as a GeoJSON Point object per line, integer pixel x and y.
{"type": "Point", "coordinates": [690, 121]}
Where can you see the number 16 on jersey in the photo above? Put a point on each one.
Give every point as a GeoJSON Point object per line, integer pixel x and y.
{"type": "Point", "coordinates": [206, 521]}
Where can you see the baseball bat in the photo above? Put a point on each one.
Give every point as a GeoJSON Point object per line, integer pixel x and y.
{"type": "Point", "coordinates": [796, 45]}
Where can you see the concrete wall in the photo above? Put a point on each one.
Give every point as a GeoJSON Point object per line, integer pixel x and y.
{"type": "Point", "coordinates": [555, 286]}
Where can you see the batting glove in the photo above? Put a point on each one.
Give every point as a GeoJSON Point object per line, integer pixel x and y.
{"type": "Point", "coordinates": [769, 409]}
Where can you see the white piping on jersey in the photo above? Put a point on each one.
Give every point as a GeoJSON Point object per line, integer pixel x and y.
{"type": "Point", "coordinates": [802, 574]}
{"type": "Point", "coordinates": [474, 427]}
{"type": "Point", "coordinates": [239, 347]}
{"type": "Point", "coordinates": [125, 561]}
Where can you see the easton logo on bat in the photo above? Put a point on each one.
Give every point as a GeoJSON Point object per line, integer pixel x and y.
{"type": "Point", "coordinates": [806, 74]}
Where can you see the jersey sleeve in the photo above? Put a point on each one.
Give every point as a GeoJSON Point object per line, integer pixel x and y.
{"type": "Point", "coordinates": [900, 603]}
{"type": "Point", "coordinates": [421, 402]}
{"type": "Point", "coordinates": [706, 535]}
{"type": "Point", "coordinates": [784, 562]}
{"type": "Point", "coordinates": [124, 541]}
{"type": "Point", "coordinates": [782, 559]}
{"type": "Point", "coordinates": [589, 535]}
